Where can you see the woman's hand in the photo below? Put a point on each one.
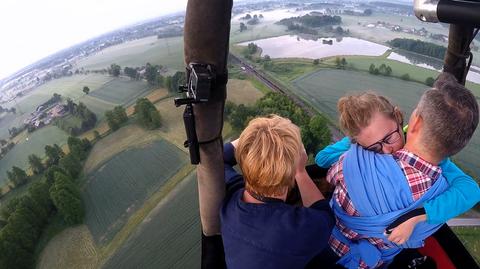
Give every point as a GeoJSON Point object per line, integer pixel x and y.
{"type": "Point", "coordinates": [403, 231]}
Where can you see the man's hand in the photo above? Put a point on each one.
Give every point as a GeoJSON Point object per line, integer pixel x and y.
{"type": "Point", "coordinates": [235, 143]}
{"type": "Point", "coordinates": [302, 162]}
{"type": "Point", "coordinates": [402, 232]}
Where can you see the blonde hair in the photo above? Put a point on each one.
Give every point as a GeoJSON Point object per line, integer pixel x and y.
{"type": "Point", "coordinates": [267, 153]}
{"type": "Point", "coordinates": [357, 110]}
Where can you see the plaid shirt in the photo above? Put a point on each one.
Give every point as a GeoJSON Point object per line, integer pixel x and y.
{"type": "Point", "coordinates": [420, 176]}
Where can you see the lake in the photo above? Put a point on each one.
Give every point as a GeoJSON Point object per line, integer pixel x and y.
{"type": "Point", "coordinates": [295, 46]}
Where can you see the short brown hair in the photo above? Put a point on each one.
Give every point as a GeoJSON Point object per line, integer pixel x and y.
{"type": "Point", "coordinates": [267, 153]}
{"type": "Point", "coordinates": [450, 116]}
{"type": "Point", "coordinates": [357, 110]}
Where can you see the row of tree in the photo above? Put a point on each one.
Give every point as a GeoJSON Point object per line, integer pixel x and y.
{"type": "Point", "coordinates": [383, 69]}
{"type": "Point", "coordinates": [8, 110]}
{"type": "Point", "coordinates": [420, 47]}
{"type": "Point", "coordinates": [146, 115]}
{"type": "Point", "coordinates": [312, 21]}
{"type": "Point", "coordinates": [315, 131]}
{"type": "Point", "coordinates": [24, 218]}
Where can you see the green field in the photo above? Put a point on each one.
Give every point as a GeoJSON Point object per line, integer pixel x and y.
{"type": "Point", "coordinates": [121, 91]}
{"type": "Point", "coordinates": [116, 189]}
{"type": "Point", "coordinates": [416, 73]}
{"type": "Point", "coordinates": [169, 237]}
{"type": "Point", "coordinates": [323, 88]}
{"type": "Point", "coordinates": [166, 52]}
{"type": "Point", "coordinates": [35, 144]}
{"type": "Point", "coordinates": [470, 237]}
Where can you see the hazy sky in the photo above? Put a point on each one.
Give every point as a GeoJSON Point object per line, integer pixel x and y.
{"type": "Point", "coordinates": [33, 29]}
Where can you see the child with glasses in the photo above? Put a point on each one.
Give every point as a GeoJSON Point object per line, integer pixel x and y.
{"type": "Point", "coordinates": [371, 121]}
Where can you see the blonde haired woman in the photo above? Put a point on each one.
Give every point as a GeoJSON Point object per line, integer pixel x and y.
{"type": "Point", "coordinates": [259, 229]}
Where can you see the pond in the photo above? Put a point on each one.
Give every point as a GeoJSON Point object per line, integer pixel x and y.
{"type": "Point", "coordinates": [295, 46]}
{"type": "Point", "coordinates": [430, 63]}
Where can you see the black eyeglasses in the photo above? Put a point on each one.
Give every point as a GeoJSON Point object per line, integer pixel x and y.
{"type": "Point", "coordinates": [390, 138]}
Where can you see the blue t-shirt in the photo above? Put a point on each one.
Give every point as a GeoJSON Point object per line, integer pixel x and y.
{"type": "Point", "coordinates": [270, 235]}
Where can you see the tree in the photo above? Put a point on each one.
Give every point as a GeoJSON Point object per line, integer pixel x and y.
{"type": "Point", "coordinates": [67, 199]}
{"type": "Point", "coordinates": [50, 173]}
{"type": "Point", "coordinates": [115, 70]}
{"type": "Point", "coordinates": [71, 164]}
{"type": "Point", "coordinates": [17, 176]}
{"type": "Point", "coordinates": [97, 135]}
{"type": "Point", "coordinates": [405, 77]}
{"type": "Point", "coordinates": [116, 117]}
{"type": "Point", "coordinates": [3, 142]}
{"type": "Point", "coordinates": [338, 62]}
{"type": "Point", "coordinates": [77, 147]}
{"type": "Point", "coordinates": [36, 164]}
{"type": "Point", "coordinates": [9, 208]}
{"type": "Point", "coordinates": [120, 114]}
{"type": "Point", "coordinates": [367, 12]}
{"type": "Point", "coordinates": [147, 115]}
{"type": "Point", "coordinates": [86, 89]}
{"type": "Point", "coordinates": [371, 69]}
{"type": "Point", "coordinates": [130, 72]}
{"type": "Point", "coordinates": [111, 121]}
{"type": "Point", "coordinates": [54, 153]}
{"type": "Point", "coordinates": [151, 73]}
{"type": "Point", "coordinates": [343, 63]}
{"type": "Point", "coordinates": [243, 27]}
{"type": "Point", "coordinates": [176, 80]}
{"type": "Point", "coordinates": [429, 81]}
{"type": "Point", "coordinates": [388, 71]}
{"type": "Point", "coordinates": [316, 62]}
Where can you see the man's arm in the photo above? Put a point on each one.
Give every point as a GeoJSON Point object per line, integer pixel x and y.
{"type": "Point", "coordinates": [462, 194]}
{"type": "Point", "coordinates": [308, 190]}
{"type": "Point", "coordinates": [232, 178]}
{"type": "Point", "coordinates": [331, 153]}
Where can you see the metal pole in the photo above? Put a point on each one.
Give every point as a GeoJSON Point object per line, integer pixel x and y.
{"type": "Point", "coordinates": [458, 51]}
{"type": "Point", "coordinates": [206, 40]}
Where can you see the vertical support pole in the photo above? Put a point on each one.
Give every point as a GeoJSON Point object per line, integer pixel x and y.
{"type": "Point", "coordinates": [206, 40]}
{"type": "Point", "coordinates": [455, 58]}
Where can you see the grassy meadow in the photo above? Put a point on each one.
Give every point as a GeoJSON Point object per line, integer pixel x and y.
{"type": "Point", "coordinates": [120, 186]}
{"type": "Point", "coordinates": [35, 144]}
{"type": "Point", "coordinates": [166, 52]}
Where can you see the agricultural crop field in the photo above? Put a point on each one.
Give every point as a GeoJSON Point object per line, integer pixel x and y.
{"type": "Point", "coordinates": [35, 144]}
{"type": "Point", "coordinates": [121, 91]}
{"type": "Point", "coordinates": [169, 237]}
{"type": "Point", "coordinates": [116, 189]}
{"type": "Point", "coordinates": [124, 138]}
{"type": "Point", "coordinates": [322, 90]}
{"type": "Point", "coordinates": [166, 52]}
{"type": "Point", "coordinates": [73, 248]}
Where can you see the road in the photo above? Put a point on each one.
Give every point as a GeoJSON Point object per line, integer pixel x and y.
{"type": "Point", "coordinates": [464, 222]}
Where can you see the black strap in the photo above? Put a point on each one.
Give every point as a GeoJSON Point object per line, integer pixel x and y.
{"type": "Point", "coordinates": [405, 217]}
{"type": "Point", "coordinates": [264, 198]}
